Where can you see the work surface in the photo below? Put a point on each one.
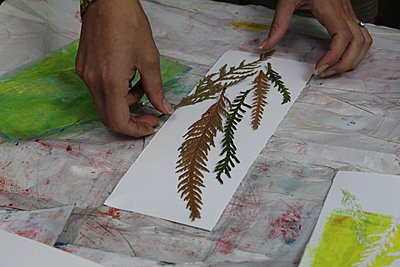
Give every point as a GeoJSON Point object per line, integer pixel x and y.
{"type": "Point", "coordinates": [348, 122]}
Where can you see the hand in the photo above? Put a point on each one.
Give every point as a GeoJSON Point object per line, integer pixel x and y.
{"type": "Point", "coordinates": [349, 42]}
{"type": "Point", "coordinates": [116, 41]}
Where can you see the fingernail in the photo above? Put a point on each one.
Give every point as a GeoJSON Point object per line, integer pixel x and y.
{"type": "Point", "coordinates": [168, 106]}
{"type": "Point", "coordinates": [328, 73]}
{"type": "Point", "coordinates": [320, 69]}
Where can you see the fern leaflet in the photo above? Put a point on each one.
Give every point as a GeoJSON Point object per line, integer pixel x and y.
{"type": "Point", "coordinates": [228, 152]}
{"type": "Point", "coordinates": [261, 88]}
{"type": "Point", "coordinates": [276, 79]}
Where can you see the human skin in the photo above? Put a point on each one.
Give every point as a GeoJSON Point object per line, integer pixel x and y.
{"type": "Point", "coordinates": [116, 42]}
{"type": "Point", "coordinates": [349, 42]}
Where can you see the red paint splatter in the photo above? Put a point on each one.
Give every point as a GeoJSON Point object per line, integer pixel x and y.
{"type": "Point", "coordinates": [69, 148]}
{"type": "Point", "coordinates": [31, 233]}
{"type": "Point", "coordinates": [224, 245]}
{"type": "Point", "coordinates": [3, 184]}
{"type": "Point", "coordinates": [288, 225]}
{"type": "Point", "coordinates": [44, 144]}
{"type": "Point", "coordinates": [113, 212]}
{"type": "Point", "coordinates": [270, 184]}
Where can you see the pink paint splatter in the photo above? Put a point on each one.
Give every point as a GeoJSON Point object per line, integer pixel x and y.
{"type": "Point", "coordinates": [288, 225]}
{"type": "Point", "coordinates": [31, 233]}
{"type": "Point", "coordinates": [302, 148]}
{"type": "Point", "coordinates": [113, 212]}
{"type": "Point", "coordinates": [3, 184]}
{"type": "Point", "coordinates": [224, 245]}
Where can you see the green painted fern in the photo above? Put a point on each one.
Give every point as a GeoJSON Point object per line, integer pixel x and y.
{"type": "Point", "coordinates": [228, 152]}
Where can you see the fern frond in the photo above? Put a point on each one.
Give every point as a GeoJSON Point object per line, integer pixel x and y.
{"type": "Point", "coordinates": [380, 246]}
{"type": "Point", "coordinates": [261, 88]}
{"type": "Point", "coordinates": [228, 152]}
{"type": "Point", "coordinates": [276, 79]}
{"type": "Point", "coordinates": [193, 154]}
{"type": "Point", "coordinates": [267, 55]}
{"type": "Point", "coordinates": [353, 208]}
{"type": "Point", "coordinates": [212, 84]}
{"type": "Point", "coordinates": [205, 89]}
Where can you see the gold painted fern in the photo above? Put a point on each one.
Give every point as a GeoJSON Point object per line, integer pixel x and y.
{"type": "Point", "coordinates": [194, 151]}
{"type": "Point", "coordinates": [212, 84]}
{"type": "Point", "coordinates": [222, 116]}
{"type": "Point", "coordinates": [261, 88]}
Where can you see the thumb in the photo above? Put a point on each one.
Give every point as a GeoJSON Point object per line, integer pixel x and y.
{"type": "Point", "coordinates": [280, 23]}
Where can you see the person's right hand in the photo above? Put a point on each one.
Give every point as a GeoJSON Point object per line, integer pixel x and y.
{"type": "Point", "coordinates": [349, 41]}
{"type": "Point", "coordinates": [116, 41]}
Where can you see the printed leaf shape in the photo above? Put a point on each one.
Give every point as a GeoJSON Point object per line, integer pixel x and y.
{"type": "Point", "coordinates": [226, 164]}
{"type": "Point", "coordinates": [261, 88]}
{"type": "Point", "coordinates": [353, 208]}
{"type": "Point", "coordinates": [380, 245]}
{"type": "Point", "coordinates": [193, 154]}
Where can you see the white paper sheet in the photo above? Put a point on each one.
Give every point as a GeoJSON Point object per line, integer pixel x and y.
{"type": "Point", "coordinates": [19, 251]}
{"type": "Point", "coordinates": [150, 185]}
{"type": "Point", "coordinates": [375, 193]}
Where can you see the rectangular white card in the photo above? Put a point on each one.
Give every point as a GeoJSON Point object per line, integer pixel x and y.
{"type": "Point", "coordinates": [22, 252]}
{"type": "Point", "coordinates": [358, 224]}
{"type": "Point", "coordinates": [150, 185]}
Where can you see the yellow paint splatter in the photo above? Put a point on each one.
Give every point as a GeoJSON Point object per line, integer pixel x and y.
{"type": "Point", "coordinates": [249, 26]}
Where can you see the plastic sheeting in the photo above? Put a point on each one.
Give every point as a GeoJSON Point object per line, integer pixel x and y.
{"type": "Point", "coordinates": [350, 122]}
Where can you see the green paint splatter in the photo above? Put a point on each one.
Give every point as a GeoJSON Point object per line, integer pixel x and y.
{"type": "Point", "coordinates": [339, 245]}
{"type": "Point", "coordinates": [48, 96]}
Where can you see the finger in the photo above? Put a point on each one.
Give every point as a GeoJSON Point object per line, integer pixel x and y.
{"type": "Point", "coordinates": [353, 20]}
{"type": "Point", "coordinates": [97, 95]}
{"type": "Point", "coordinates": [149, 119]}
{"type": "Point", "coordinates": [152, 85]}
{"type": "Point", "coordinates": [349, 59]}
{"type": "Point", "coordinates": [340, 39]}
{"type": "Point", "coordinates": [118, 114]}
{"type": "Point", "coordinates": [98, 98]}
{"type": "Point", "coordinates": [280, 24]}
{"type": "Point", "coordinates": [367, 45]}
{"type": "Point", "coordinates": [136, 93]}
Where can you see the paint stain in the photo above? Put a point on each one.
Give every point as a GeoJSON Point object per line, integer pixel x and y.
{"type": "Point", "coordinates": [68, 148]}
{"type": "Point", "coordinates": [224, 245]}
{"type": "Point", "coordinates": [3, 184]}
{"type": "Point", "coordinates": [114, 212]}
{"type": "Point", "coordinates": [48, 96]}
{"type": "Point", "coordinates": [249, 26]}
{"type": "Point", "coordinates": [44, 144]}
{"type": "Point", "coordinates": [340, 246]}
{"type": "Point", "coordinates": [30, 233]}
{"type": "Point", "coordinates": [349, 121]}
{"type": "Point", "coordinates": [287, 226]}
{"type": "Point", "coordinates": [302, 148]}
